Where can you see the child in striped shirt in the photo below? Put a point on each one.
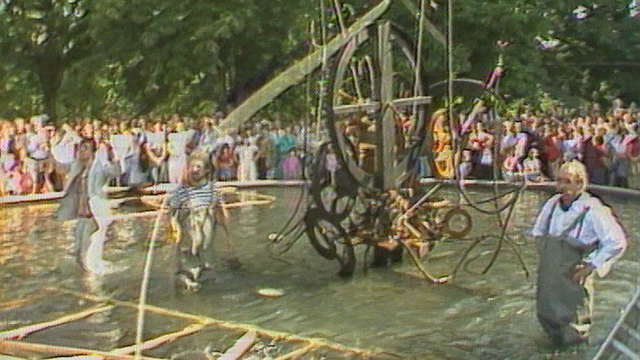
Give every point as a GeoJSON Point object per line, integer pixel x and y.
{"type": "Point", "coordinates": [196, 208]}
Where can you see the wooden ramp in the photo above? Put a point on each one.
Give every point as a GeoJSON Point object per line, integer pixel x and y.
{"type": "Point", "coordinates": [623, 341]}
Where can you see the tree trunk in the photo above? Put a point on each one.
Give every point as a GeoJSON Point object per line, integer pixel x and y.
{"type": "Point", "coordinates": [50, 73]}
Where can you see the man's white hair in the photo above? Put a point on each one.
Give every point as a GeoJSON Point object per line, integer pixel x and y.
{"type": "Point", "coordinates": [577, 171]}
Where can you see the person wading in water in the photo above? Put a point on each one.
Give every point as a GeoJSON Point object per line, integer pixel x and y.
{"type": "Point", "coordinates": [84, 199]}
{"type": "Point", "coordinates": [576, 235]}
{"type": "Point", "coordinates": [196, 210]}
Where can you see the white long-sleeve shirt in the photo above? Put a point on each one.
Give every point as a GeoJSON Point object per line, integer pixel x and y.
{"type": "Point", "coordinates": [599, 228]}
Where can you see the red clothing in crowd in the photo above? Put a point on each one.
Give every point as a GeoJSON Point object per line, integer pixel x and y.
{"type": "Point", "coordinates": [551, 150]}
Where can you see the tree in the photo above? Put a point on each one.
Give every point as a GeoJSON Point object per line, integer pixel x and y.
{"type": "Point", "coordinates": [41, 40]}
{"type": "Point", "coordinates": [179, 55]}
{"type": "Point", "coordinates": [130, 58]}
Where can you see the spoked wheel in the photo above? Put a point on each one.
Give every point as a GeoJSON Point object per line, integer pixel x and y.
{"type": "Point", "coordinates": [377, 107]}
{"type": "Point", "coordinates": [330, 240]}
{"type": "Point", "coordinates": [375, 113]}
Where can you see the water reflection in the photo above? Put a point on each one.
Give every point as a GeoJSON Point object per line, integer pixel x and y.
{"type": "Point", "coordinates": [93, 284]}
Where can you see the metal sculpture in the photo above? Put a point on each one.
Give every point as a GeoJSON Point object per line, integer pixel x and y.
{"type": "Point", "coordinates": [378, 116]}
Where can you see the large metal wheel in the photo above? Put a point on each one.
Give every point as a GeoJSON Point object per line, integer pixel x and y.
{"type": "Point", "coordinates": [375, 111]}
{"type": "Point", "coordinates": [377, 108]}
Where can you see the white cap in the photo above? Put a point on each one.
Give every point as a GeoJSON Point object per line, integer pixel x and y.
{"type": "Point", "coordinates": [42, 118]}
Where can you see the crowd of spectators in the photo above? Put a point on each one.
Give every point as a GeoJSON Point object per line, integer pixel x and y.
{"type": "Point", "coordinates": [35, 154]}
{"type": "Point", "coordinates": [533, 148]}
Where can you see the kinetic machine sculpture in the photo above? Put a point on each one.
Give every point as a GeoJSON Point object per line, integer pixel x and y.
{"type": "Point", "coordinates": [378, 115]}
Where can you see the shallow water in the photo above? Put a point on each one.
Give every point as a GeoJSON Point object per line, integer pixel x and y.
{"type": "Point", "coordinates": [489, 316]}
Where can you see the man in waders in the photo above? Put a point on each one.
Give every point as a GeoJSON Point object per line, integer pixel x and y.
{"type": "Point", "coordinates": [576, 234]}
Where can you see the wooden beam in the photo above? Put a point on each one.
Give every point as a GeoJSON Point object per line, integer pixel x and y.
{"type": "Point", "coordinates": [296, 73]}
{"type": "Point", "coordinates": [417, 100]}
{"type": "Point", "coordinates": [296, 353]}
{"type": "Point", "coordinates": [276, 335]}
{"type": "Point", "coordinates": [428, 25]}
{"type": "Point", "coordinates": [385, 159]}
{"type": "Point", "coordinates": [10, 347]}
{"type": "Point", "coordinates": [375, 106]}
{"type": "Point", "coordinates": [351, 109]}
{"type": "Point", "coordinates": [26, 330]}
{"type": "Point", "coordinates": [13, 304]}
{"type": "Point", "coordinates": [240, 347]}
{"type": "Point", "coordinates": [154, 343]}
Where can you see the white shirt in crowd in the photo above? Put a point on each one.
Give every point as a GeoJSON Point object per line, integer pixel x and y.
{"type": "Point", "coordinates": [225, 139]}
{"type": "Point", "coordinates": [64, 151]}
{"type": "Point", "coordinates": [247, 170]}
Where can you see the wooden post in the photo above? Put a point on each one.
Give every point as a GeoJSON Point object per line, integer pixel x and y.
{"type": "Point", "coordinates": [385, 166]}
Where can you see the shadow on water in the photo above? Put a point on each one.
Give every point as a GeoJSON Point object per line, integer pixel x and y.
{"type": "Point", "coordinates": [488, 316]}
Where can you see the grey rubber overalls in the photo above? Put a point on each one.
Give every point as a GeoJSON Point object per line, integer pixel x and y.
{"type": "Point", "coordinates": [563, 306]}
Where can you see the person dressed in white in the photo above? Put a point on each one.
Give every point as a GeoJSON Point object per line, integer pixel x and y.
{"type": "Point", "coordinates": [84, 199]}
{"type": "Point", "coordinates": [122, 144]}
{"type": "Point", "coordinates": [63, 149]}
{"type": "Point", "coordinates": [178, 152]}
{"type": "Point", "coordinates": [207, 137]}
{"type": "Point", "coordinates": [157, 139]}
{"type": "Point", "coordinates": [576, 234]}
{"type": "Point", "coordinates": [246, 153]}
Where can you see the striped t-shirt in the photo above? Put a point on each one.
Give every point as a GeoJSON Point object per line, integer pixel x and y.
{"type": "Point", "coordinates": [195, 197]}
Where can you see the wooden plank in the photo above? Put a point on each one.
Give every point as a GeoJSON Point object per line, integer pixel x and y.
{"type": "Point", "coordinates": [375, 106]}
{"type": "Point", "coordinates": [19, 199]}
{"type": "Point", "coordinates": [282, 336]}
{"type": "Point", "coordinates": [26, 330]}
{"type": "Point", "coordinates": [385, 159]}
{"type": "Point", "coordinates": [240, 347]}
{"type": "Point", "coordinates": [296, 353]}
{"type": "Point", "coordinates": [154, 343]}
{"type": "Point", "coordinates": [11, 347]}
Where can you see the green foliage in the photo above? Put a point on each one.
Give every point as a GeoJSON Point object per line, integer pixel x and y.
{"type": "Point", "coordinates": [132, 57]}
